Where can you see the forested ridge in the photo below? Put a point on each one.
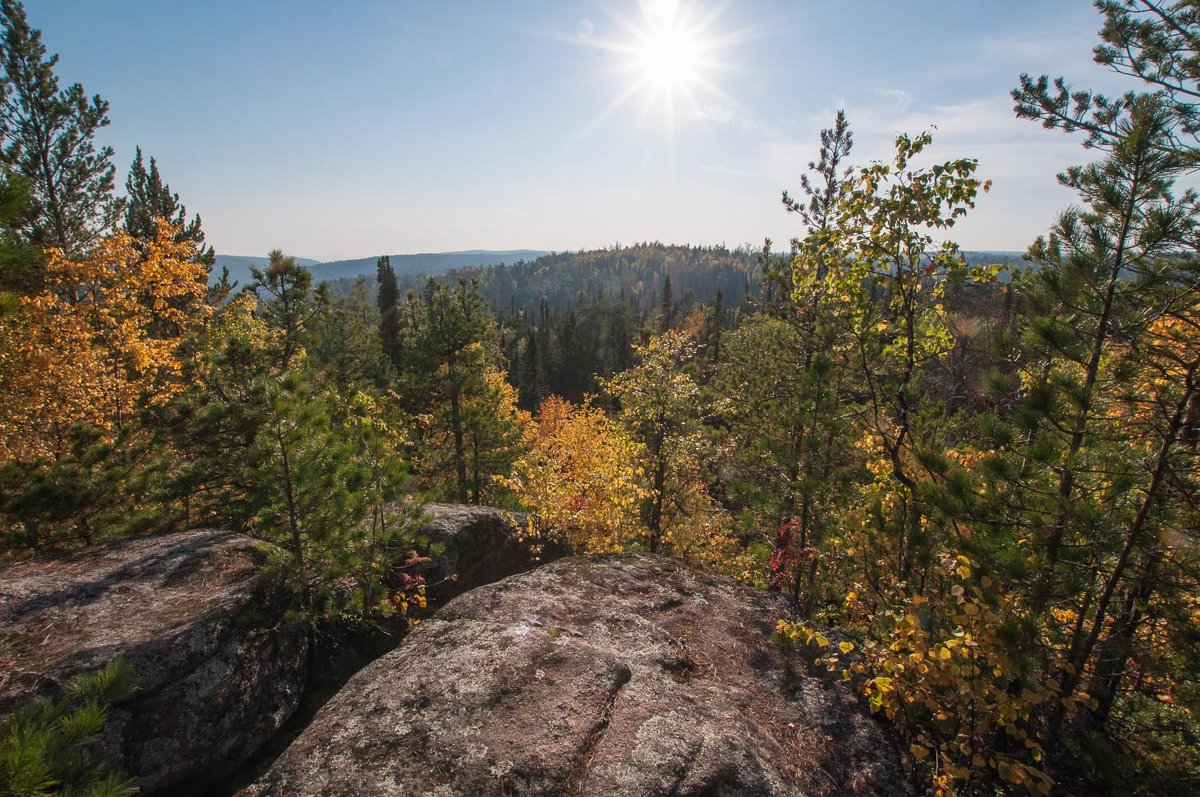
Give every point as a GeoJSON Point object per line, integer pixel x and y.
{"type": "Point", "coordinates": [978, 484]}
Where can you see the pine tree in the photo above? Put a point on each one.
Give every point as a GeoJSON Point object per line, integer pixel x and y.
{"type": "Point", "coordinates": [51, 746]}
{"type": "Point", "coordinates": [1112, 371]}
{"type": "Point", "coordinates": [823, 197]}
{"type": "Point", "coordinates": [312, 487]}
{"type": "Point", "coordinates": [1155, 42]}
{"type": "Point", "coordinates": [470, 428]}
{"type": "Point", "coordinates": [49, 137]}
{"type": "Point", "coordinates": [20, 263]}
{"type": "Point", "coordinates": [149, 199]}
{"type": "Point", "coordinates": [290, 302]}
{"type": "Point", "coordinates": [343, 343]}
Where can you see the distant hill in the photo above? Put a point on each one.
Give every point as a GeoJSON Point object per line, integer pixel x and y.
{"type": "Point", "coordinates": [632, 275]}
{"type": "Point", "coordinates": [428, 263]}
{"type": "Point", "coordinates": [992, 258]}
{"type": "Point", "coordinates": [1010, 260]}
{"type": "Point", "coordinates": [239, 266]}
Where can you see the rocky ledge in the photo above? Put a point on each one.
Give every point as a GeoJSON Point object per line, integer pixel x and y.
{"type": "Point", "coordinates": [218, 667]}
{"type": "Point", "coordinates": [624, 675]}
{"type": "Point", "coordinates": [477, 545]}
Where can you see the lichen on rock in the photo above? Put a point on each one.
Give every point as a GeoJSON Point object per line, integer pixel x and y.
{"type": "Point", "coordinates": [219, 667]}
{"type": "Point", "coordinates": [619, 675]}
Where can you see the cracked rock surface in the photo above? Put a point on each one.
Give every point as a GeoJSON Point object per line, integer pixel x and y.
{"type": "Point", "coordinates": [607, 676]}
{"type": "Point", "coordinates": [217, 668]}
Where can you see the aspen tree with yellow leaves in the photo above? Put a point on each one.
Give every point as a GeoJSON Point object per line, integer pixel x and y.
{"type": "Point", "coordinates": [101, 336]}
{"type": "Point", "coordinates": [581, 477]}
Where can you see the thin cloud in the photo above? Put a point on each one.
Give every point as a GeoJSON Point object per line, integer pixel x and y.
{"type": "Point", "coordinates": [897, 100]}
{"type": "Point", "coordinates": [727, 171]}
{"type": "Point", "coordinates": [723, 114]}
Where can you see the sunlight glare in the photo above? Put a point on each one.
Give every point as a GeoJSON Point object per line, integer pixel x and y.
{"type": "Point", "coordinates": [668, 55]}
{"type": "Point", "coordinates": [670, 52]}
{"type": "Point", "coordinates": [664, 10]}
{"type": "Point", "coordinates": [667, 48]}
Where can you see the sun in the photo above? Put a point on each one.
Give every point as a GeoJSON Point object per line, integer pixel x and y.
{"type": "Point", "coordinates": [668, 52]}
{"type": "Point", "coordinates": [669, 55]}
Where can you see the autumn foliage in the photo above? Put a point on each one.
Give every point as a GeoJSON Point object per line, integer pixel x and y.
{"type": "Point", "coordinates": [581, 477]}
{"type": "Point", "coordinates": [102, 336]}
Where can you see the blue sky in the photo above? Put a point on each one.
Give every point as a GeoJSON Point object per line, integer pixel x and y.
{"type": "Point", "coordinates": [337, 130]}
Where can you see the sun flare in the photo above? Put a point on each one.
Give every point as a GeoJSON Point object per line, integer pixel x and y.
{"type": "Point", "coordinates": [668, 53]}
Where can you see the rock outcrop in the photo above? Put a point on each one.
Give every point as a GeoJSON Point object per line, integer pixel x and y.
{"type": "Point", "coordinates": [218, 669]}
{"type": "Point", "coordinates": [479, 545]}
{"type": "Point", "coordinates": [625, 675]}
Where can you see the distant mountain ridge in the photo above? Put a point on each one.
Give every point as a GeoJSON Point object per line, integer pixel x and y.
{"type": "Point", "coordinates": [471, 261]}
{"type": "Point", "coordinates": [239, 267]}
{"type": "Point", "coordinates": [425, 263]}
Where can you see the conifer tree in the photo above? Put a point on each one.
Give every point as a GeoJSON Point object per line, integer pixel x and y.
{"type": "Point", "coordinates": [149, 199]}
{"type": "Point", "coordinates": [49, 138]}
{"type": "Point", "coordinates": [470, 427]}
{"type": "Point", "coordinates": [1152, 41]}
{"type": "Point", "coordinates": [20, 263]}
{"type": "Point", "coordinates": [389, 310]}
{"type": "Point", "coordinates": [52, 746]}
{"type": "Point", "coordinates": [1109, 374]}
{"type": "Point", "coordinates": [668, 306]}
{"type": "Point", "coordinates": [344, 343]}
{"type": "Point", "coordinates": [290, 303]}
{"type": "Point", "coordinates": [820, 211]}
{"type": "Point", "coordinates": [531, 376]}
{"type": "Point", "coordinates": [1111, 307]}
{"type": "Point", "coordinates": [312, 488]}
{"type": "Point", "coordinates": [545, 350]}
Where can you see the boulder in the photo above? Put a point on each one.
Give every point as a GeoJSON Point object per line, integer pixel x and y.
{"type": "Point", "coordinates": [621, 675]}
{"type": "Point", "coordinates": [477, 545]}
{"type": "Point", "coordinates": [218, 667]}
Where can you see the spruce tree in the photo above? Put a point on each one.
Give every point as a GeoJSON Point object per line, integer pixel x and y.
{"type": "Point", "coordinates": [532, 379]}
{"type": "Point", "coordinates": [149, 198]}
{"type": "Point", "coordinates": [49, 137]}
{"type": "Point", "coordinates": [389, 310]}
{"type": "Point", "coordinates": [668, 305]}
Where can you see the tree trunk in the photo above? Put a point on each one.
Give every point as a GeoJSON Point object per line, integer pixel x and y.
{"type": "Point", "coordinates": [297, 540]}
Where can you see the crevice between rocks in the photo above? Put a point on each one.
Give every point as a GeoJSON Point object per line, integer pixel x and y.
{"type": "Point", "coordinates": [583, 765]}
{"type": "Point", "coordinates": [332, 663]}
